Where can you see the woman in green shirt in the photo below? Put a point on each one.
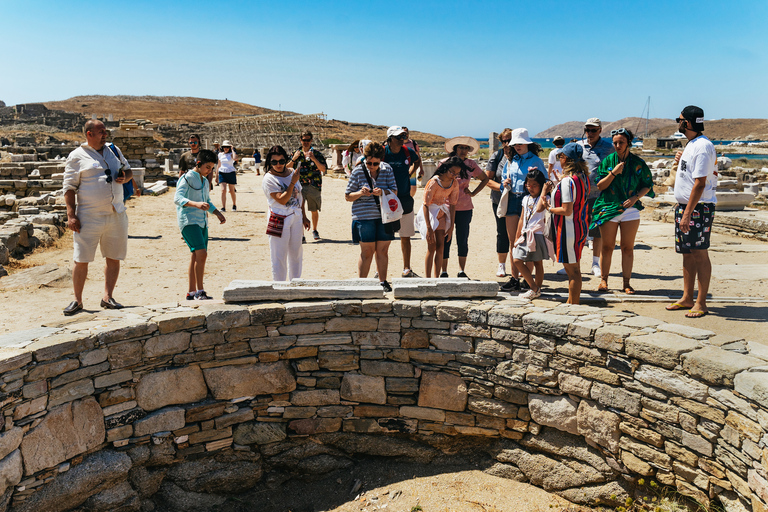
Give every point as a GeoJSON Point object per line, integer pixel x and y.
{"type": "Point", "coordinates": [623, 180]}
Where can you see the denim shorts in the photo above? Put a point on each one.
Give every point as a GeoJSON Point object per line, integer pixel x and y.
{"type": "Point", "coordinates": [515, 204]}
{"type": "Point", "coordinates": [228, 177]}
{"type": "Point", "coordinates": [371, 230]}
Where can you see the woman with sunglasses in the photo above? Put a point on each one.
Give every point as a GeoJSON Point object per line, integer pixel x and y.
{"type": "Point", "coordinates": [286, 215]}
{"type": "Point", "coordinates": [351, 155]}
{"type": "Point", "coordinates": [623, 178]}
{"type": "Point", "coordinates": [367, 185]}
{"type": "Point", "coordinates": [493, 169]}
{"type": "Point", "coordinates": [227, 174]}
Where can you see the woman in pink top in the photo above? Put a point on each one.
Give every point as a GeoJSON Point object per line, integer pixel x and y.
{"type": "Point", "coordinates": [436, 217]}
{"type": "Point", "coordinates": [463, 147]}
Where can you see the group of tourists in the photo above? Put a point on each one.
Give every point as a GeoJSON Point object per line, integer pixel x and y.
{"type": "Point", "coordinates": [590, 188]}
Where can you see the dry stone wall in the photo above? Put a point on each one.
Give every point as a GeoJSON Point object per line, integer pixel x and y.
{"type": "Point", "coordinates": [178, 407]}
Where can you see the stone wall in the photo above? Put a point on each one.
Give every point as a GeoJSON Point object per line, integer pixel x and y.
{"type": "Point", "coordinates": [172, 406]}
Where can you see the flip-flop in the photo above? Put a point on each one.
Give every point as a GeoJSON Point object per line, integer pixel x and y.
{"type": "Point", "coordinates": [676, 306]}
{"type": "Point", "coordinates": [696, 314]}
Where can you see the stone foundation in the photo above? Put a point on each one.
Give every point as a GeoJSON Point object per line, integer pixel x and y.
{"type": "Point", "coordinates": [178, 407]}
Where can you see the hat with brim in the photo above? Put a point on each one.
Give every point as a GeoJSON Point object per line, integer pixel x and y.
{"type": "Point", "coordinates": [462, 140]}
{"type": "Point", "coordinates": [594, 121]}
{"type": "Point", "coordinates": [574, 152]}
{"type": "Point", "coordinates": [520, 136]}
{"type": "Point", "coordinates": [394, 131]}
{"type": "Point", "coordinates": [558, 139]}
{"type": "Point", "coordinates": [226, 143]}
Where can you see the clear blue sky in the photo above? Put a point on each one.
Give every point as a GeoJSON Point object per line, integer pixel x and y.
{"type": "Point", "coordinates": [445, 67]}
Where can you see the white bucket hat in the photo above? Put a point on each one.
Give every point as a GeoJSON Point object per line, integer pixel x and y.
{"type": "Point", "coordinates": [462, 140]}
{"type": "Point", "coordinates": [520, 136]}
{"type": "Point", "coordinates": [227, 143]}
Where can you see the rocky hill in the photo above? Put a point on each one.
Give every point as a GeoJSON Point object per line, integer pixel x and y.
{"type": "Point", "coordinates": [721, 129]}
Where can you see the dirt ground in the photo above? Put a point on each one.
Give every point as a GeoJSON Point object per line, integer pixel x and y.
{"type": "Point", "coordinates": [155, 271]}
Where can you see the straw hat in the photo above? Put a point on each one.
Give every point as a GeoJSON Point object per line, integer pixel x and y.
{"type": "Point", "coordinates": [462, 140]}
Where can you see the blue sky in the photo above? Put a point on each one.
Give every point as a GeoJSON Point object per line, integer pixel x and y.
{"type": "Point", "coordinates": [444, 67]}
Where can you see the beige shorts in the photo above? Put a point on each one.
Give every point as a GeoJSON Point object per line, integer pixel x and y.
{"type": "Point", "coordinates": [312, 196]}
{"type": "Point", "coordinates": [110, 232]}
{"type": "Point", "coordinates": [407, 226]}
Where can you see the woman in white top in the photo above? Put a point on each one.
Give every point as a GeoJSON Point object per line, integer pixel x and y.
{"type": "Point", "coordinates": [286, 215]}
{"type": "Point", "coordinates": [351, 155]}
{"type": "Point", "coordinates": [227, 174]}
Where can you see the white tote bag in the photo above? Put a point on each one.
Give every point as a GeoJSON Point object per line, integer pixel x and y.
{"type": "Point", "coordinates": [391, 209]}
{"type": "Point", "coordinates": [501, 211]}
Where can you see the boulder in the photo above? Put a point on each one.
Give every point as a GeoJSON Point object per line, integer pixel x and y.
{"type": "Point", "coordinates": [598, 425]}
{"type": "Point", "coordinates": [99, 471]}
{"type": "Point", "coordinates": [226, 473]}
{"type": "Point", "coordinates": [11, 471]}
{"type": "Point", "coordinates": [120, 498]}
{"type": "Point", "coordinates": [66, 431]}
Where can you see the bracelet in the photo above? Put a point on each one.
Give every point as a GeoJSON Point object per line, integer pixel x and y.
{"type": "Point", "coordinates": [612, 174]}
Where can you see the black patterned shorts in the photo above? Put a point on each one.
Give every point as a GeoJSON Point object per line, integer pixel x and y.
{"type": "Point", "coordinates": [697, 237]}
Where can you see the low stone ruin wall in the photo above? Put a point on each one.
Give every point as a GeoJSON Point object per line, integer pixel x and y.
{"type": "Point", "coordinates": [176, 407]}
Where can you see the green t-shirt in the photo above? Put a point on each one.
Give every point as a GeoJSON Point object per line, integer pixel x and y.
{"type": "Point", "coordinates": [634, 177]}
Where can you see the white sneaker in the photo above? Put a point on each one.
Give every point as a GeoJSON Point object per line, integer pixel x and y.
{"type": "Point", "coordinates": [596, 270]}
{"type": "Point", "coordinates": [562, 272]}
{"type": "Point", "coordinates": [502, 271]}
{"type": "Point", "coordinates": [531, 294]}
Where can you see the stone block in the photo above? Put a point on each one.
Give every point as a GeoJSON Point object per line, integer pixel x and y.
{"type": "Point", "coordinates": [672, 382]}
{"type": "Point", "coordinates": [240, 416]}
{"type": "Point", "coordinates": [402, 385]}
{"type": "Point", "coordinates": [300, 289]}
{"type": "Point", "coordinates": [440, 390]}
{"type": "Point", "coordinates": [376, 411]}
{"type": "Point", "coordinates": [10, 440]}
{"type": "Point", "coordinates": [93, 357]}
{"type": "Point", "coordinates": [753, 385]}
{"type": "Point", "coordinates": [547, 324]}
{"type": "Point", "coordinates": [301, 328]}
{"type": "Point", "coordinates": [48, 370]}
{"type": "Point", "coordinates": [70, 392]}
{"type": "Point", "coordinates": [311, 426]}
{"type": "Point", "coordinates": [616, 397]}
{"type": "Point", "coordinates": [498, 316]}
{"type": "Point", "coordinates": [316, 397]}
{"type": "Point", "coordinates": [363, 389]}
{"type": "Point", "coordinates": [598, 425]}
{"type": "Point", "coordinates": [348, 324]}
{"type": "Point", "coordinates": [660, 348]}
{"type": "Point", "coordinates": [559, 412]}
{"type": "Point", "coordinates": [266, 313]}
{"type": "Point", "coordinates": [590, 355]}
{"type": "Point", "coordinates": [450, 343]}
{"type": "Point", "coordinates": [11, 471]}
{"type": "Point", "coordinates": [204, 412]}
{"type": "Point", "coordinates": [407, 308]}
{"type": "Point", "coordinates": [110, 379]}
{"type": "Point", "coordinates": [227, 317]}
{"type": "Point", "coordinates": [636, 465]}
{"type": "Point", "coordinates": [376, 339]}
{"type": "Point", "coordinates": [611, 337]}
{"type": "Point", "coordinates": [66, 431]}
{"type": "Point", "coordinates": [171, 387]}
{"type": "Point", "coordinates": [125, 330]}
{"type": "Point", "coordinates": [435, 288]}
{"type": "Point", "coordinates": [491, 407]}
{"type": "Point", "coordinates": [386, 368]}
{"type": "Point", "coordinates": [718, 366]}
{"type": "Point", "coordinates": [246, 333]}
{"type": "Point", "coordinates": [643, 434]}
{"type": "Point", "coordinates": [375, 306]}
{"type": "Point", "coordinates": [417, 338]}
{"type": "Point", "coordinates": [324, 339]}
{"type": "Point", "coordinates": [206, 339]}
{"type": "Point", "coordinates": [389, 324]}
{"type": "Point", "coordinates": [646, 453]}
{"type": "Point", "coordinates": [686, 330]}
{"type": "Point", "coordinates": [127, 353]}
{"type": "Point", "coordinates": [453, 311]}
{"type": "Point", "coordinates": [493, 348]}
{"type": "Point", "coordinates": [744, 426]}
{"type": "Point", "coordinates": [352, 307]}
{"type": "Point", "coordinates": [12, 359]}
{"type": "Point", "coordinates": [591, 372]}
{"type": "Point", "coordinates": [179, 321]}
{"type": "Point", "coordinates": [168, 419]}
{"type": "Point", "coordinates": [422, 413]}
{"type": "Point", "coordinates": [27, 409]}
{"type": "Point", "coordinates": [228, 382]}
{"type": "Point", "coordinates": [260, 433]}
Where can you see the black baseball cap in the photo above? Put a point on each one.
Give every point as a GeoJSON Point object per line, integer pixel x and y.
{"type": "Point", "coordinates": [695, 115]}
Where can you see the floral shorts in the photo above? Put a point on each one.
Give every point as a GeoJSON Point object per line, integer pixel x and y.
{"type": "Point", "coordinates": [697, 237]}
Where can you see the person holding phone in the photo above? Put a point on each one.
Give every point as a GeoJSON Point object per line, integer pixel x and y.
{"type": "Point", "coordinates": [311, 165]}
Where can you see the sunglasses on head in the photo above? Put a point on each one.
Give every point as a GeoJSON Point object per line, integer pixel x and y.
{"type": "Point", "coordinates": [620, 131]}
{"type": "Point", "coordinates": [591, 130]}
{"type": "Point", "coordinates": [278, 162]}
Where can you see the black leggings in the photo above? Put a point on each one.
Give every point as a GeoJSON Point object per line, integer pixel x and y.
{"type": "Point", "coordinates": [502, 239]}
{"type": "Point", "coordinates": [460, 234]}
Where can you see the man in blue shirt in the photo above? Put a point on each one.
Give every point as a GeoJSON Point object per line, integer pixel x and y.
{"type": "Point", "coordinates": [595, 150]}
{"type": "Point", "coordinates": [403, 160]}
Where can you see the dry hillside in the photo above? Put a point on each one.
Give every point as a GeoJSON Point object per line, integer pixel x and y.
{"type": "Point", "coordinates": [158, 109]}
{"type": "Point", "coordinates": [722, 129]}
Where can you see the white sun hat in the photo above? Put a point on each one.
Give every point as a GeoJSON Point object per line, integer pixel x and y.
{"type": "Point", "coordinates": [520, 136]}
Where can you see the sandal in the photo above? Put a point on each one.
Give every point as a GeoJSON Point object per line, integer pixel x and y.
{"type": "Point", "coordinates": [696, 314]}
{"type": "Point", "coordinates": [628, 289]}
{"type": "Point", "coordinates": [603, 286]}
{"type": "Point", "coordinates": [676, 306]}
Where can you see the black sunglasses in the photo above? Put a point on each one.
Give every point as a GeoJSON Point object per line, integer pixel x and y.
{"type": "Point", "coordinates": [372, 164]}
{"type": "Point", "coordinates": [306, 140]}
{"type": "Point", "coordinates": [505, 141]}
{"type": "Point", "coordinates": [109, 175]}
{"type": "Point", "coordinates": [591, 130]}
{"type": "Point", "coordinates": [679, 119]}
{"type": "Point", "coordinates": [278, 162]}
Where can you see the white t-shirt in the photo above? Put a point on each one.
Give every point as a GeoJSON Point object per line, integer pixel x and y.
{"type": "Point", "coordinates": [227, 161]}
{"type": "Point", "coordinates": [271, 184]}
{"type": "Point", "coordinates": [531, 218]}
{"type": "Point", "coordinates": [699, 160]}
{"type": "Point", "coordinates": [553, 160]}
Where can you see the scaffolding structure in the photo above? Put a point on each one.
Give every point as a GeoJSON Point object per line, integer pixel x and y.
{"type": "Point", "coordinates": [266, 130]}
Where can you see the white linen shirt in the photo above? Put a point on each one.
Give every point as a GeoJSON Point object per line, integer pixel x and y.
{"type": "Point", "coordinates": [85, 174]}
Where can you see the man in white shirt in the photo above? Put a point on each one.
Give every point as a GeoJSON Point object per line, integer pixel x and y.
{"type": "Point", "coordinates": [554, 162]}
{"type": "Point", "coordinates": [695, 185]}
{"type": "Point", "coordinates": [93, 192]}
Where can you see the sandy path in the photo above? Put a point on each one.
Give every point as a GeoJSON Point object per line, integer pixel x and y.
{"type": "Point", "coordinates": [155, 270]}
